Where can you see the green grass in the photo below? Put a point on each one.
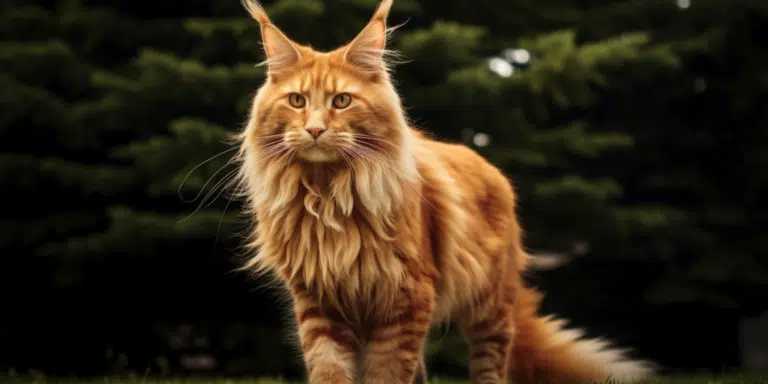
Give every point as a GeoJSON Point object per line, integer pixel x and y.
{"type": "Point", "coordinates": [731, 379]}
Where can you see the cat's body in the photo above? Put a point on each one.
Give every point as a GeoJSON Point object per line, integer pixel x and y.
{"type": "Point", "coordinates": [380, 232]}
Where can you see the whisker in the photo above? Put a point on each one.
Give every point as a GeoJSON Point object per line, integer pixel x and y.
{"type": "Point", "coordinates": [272, 145]}
{"type": "Point", "coordinates": [208, 181]}
{"type": "Point", "coordinates": [274, 150]}
{"type": "Point", "coordinates": [367, 135]}
{"type": "Point", "coordinates": [361, 138]}
{"type": "Point", "coordinates": [270, 140]}
{"type": "Point", "coordinates": [227, 179]}
{"type": "Point", "coordinates": [369, 145]}
{"type": "Point", "coordinates": [277, 154]}
{"type": "Point", "coordinates": [211, 192]}
{"type": "Point", "coordinates": [278, 135]}
{"type": "Point", "coordinates": [181, 185]}
{"type": "Point", "coordinates": [364, 151]}
{"type": "Point", "coordinates": [341, 152]}
{"type": "Point", "coordinates": [224, 213]}
{"type": "Point", "coordinates": [287, 157]}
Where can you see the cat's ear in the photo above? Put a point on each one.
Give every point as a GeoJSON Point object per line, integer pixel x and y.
{"type": "Point", "coordinates": [281, 51]}
{"type": "Point", "coordinates": [367, 50]}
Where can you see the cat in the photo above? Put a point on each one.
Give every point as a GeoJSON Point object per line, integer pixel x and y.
{"type": "Point", "coordinates": [380, 232]}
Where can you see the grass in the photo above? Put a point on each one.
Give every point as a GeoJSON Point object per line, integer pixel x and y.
{"type": "Point", "coordinates": [731, 379]}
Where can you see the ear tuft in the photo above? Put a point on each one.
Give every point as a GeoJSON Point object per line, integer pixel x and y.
{"type": "Point", "coordinates": [280, 50]}
{"type": "Point", "coordinates": [367, 50]}
{"type": "Point", "coordinates": [256, 11]}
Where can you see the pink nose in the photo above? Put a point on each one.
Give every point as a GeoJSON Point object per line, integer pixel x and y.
{"type": "Point", "coordinates": [315, 132]}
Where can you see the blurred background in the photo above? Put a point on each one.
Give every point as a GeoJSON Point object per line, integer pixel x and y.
{"type": "Point", "coordinates": [634, 131]}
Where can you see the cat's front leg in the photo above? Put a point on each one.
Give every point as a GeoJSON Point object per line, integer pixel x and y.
{"type": "Point", "coordinates": [394, 347]}
{"type": "Point", "coordinates": [329, 346]}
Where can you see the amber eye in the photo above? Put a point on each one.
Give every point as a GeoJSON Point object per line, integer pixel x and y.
{"type": "Point", "coordinates": [297, 100]}
{"type": "Point", "coordinates": [342, 100]}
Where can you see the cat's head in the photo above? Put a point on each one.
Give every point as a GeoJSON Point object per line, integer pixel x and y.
{"type": "Point", "coordinates": [335, 107]}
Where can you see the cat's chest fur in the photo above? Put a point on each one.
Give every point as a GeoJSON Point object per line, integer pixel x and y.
{"type": "Point", "coordinates": [323, 239]}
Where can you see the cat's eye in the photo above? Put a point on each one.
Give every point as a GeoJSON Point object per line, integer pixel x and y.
{"type": "Point", "coordinates": [342, 100]}
{"type": "Point", "coordinates": [297, 100]}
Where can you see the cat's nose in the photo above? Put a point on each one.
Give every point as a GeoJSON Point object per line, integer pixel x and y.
{"type": "Point", "coordinates": [315, 132]}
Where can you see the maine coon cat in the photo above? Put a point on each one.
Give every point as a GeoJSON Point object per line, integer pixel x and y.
{"type": "Point", "coordinates": [380, 232]}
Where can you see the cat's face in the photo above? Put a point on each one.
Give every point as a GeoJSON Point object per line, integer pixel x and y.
{"type": "Point", "coordinates": [323, 110]}
{"type": "Point", "coordinates": [320, 107]}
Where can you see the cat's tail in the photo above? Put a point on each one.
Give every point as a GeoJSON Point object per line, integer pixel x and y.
{"type": "Point", "coordinates": [544, 351]}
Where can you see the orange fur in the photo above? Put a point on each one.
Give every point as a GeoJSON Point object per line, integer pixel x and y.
{"type": "Point", "coordinates": [380, 232]}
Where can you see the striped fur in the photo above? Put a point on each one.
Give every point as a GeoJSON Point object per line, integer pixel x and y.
{"type": "Point", "coordinates": [380, 232]}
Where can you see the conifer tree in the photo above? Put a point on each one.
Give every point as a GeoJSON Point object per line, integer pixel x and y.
{"type": "Point", "coordinates": [53, 161]}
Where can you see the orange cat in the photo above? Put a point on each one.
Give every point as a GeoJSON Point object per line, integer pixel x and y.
{"type": "Point", "coordinates": [380, 232]}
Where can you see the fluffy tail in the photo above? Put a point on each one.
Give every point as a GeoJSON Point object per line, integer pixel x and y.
{"type": "Point", "coordinates": [546, 352]}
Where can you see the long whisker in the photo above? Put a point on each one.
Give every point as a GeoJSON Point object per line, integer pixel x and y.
{"type": "Point", "coordinates": [363, 138]}
{"type": "Point", "coordinates": [208, 181]}
{"type": "Point", "coordinates": [369, 145]}
{"type": "Point", "coordinates": [269, 148]}
{"type": "Point", "coordinates": [293, 155]}
{"type": "Point", "coordinates": [368, 136]}
{"type": "Point", "coordinates": [270, 144]}
{"type": "Point", "coordinates": [181, 185]}
{"type": "Point", "coordinates": [211, 192]}
{"type": "Point", "coordinates": [279, 155]}
{"type": "Point", "coordinates": [239, 186]}
{"type": "Point", "coordinates": [272, 153]}
{"type": "Point", "coordinates": [287, 156]}
{"type": "Point", "coordinates": [367, 152]}
{"type": "Point", "coordinates": [221, 220]}
{"type": "Point", "coordinates": [371, 158]}
{"type": "Point", "coordinates": [271, 140]}
{"type": "Point", "coordinates": [278, 136]}
{"type": "Point", "coordinates": [341, 151]}
{"type": "Point", "coordinates": [224, 183]}
{"type": "Point", "coordinates": [273, 150]}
